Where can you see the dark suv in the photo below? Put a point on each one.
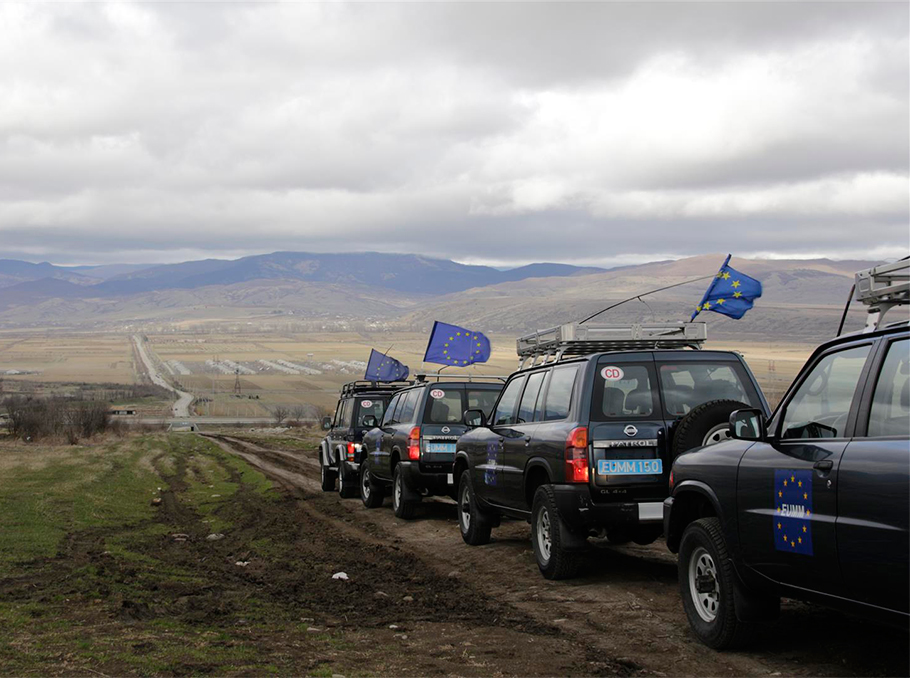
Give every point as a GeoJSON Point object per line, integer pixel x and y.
{"type": "Point", "coordinates": [413, 447]}
{"type": "Point", "coordinates": [338, 452]}
{"type": "Point", "coordinates": [583, 445]}
{"type": "Point", "coordinates": [811, 504]}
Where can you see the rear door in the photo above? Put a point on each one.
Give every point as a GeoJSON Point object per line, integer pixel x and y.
{"type": "Point", "coordinates": [873, 502]}
{"type": "Point", "coordinates": [441, 424]}
{"type": "Point", "coordinates": [787, 488]}
{"type": "Point", "coordinates": [488, 477]}
{"type": "Point", "coordinates": [630, 451]}
{"type": "Point", "coordinates": [516, 443]}
{"type": "Point", "coordinates": [380, 456]}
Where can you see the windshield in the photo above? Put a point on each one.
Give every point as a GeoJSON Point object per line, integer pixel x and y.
{"type": "Point", "coordinates": [687, 385]}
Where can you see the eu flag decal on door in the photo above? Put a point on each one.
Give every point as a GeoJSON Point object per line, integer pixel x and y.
{"type": "Point", "coordinates": [793, 514]}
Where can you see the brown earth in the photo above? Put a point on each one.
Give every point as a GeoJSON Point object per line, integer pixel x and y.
{"type": "Point", "coordinates": [622, 615]}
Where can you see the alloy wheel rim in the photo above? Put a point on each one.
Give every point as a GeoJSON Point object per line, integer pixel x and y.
{"type": "Point", "coordinates": [365, 484]}
{"type": "Point", "coordinates": [465, 505]}
{"type": "Point", "coordinates": [543, 534]}
{"type": "Point", "coordinates": [396, 495]}
{"type": "Point", "coordinates": [701, 565]}
{"type": "Point", "coordinates": [718, 434]}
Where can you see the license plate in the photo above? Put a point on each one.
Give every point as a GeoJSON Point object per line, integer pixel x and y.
{"type": "Point", "coordinates": [629, 467]}
{"type": "Point", "coordinates": [444, 448]}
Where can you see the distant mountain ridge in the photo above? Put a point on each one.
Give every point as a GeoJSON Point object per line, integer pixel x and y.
{"type": "Point", "coordinates": [404, 273]}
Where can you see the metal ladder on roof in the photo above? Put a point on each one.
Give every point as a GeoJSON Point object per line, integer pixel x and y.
{"type": "Point", "coordinates": [881, 288]}
{"type": "Point", "coordinates": [577, 339]}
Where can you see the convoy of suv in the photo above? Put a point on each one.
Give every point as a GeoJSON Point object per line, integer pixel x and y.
{"type": "Point", "coordinates": [625, 432]}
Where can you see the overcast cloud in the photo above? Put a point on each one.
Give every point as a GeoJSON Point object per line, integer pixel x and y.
{"type": "Point", "coordinates": [504, 133]}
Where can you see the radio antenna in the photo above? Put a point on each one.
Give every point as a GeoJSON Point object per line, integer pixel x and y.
{"type": "Point", "coordinates": [644, 294]}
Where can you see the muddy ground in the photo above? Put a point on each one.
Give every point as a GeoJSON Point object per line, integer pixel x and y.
{"type": "Point", "coordinates": [487, 610]}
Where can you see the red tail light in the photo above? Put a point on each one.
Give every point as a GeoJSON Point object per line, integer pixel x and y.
{"type": "Point", "coordinates": [672, 481]}
{"type": "Point", "coordinates": [577, 456]}
{"type": "Point", "coordinates": [351, 449]}
{"type": "Point", "coordinates": [414, 444]}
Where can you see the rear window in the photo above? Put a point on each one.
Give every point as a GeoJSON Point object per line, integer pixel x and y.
{"type": "Point", "coordinates": [687, 385]}
{"type": "Point", "coordinates": [444, 406]}
{"type": "Point", "coordinates": [624, 391]}
{"type": "Point", "coordinates": [369, 406]}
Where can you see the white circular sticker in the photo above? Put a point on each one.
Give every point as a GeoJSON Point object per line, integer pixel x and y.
{"type": "Point", "coordinates": [366, 403]}
{"type": "Point", "coordinates": [612, 373]}
{"type": "Point", "coordinates": [437, 393]}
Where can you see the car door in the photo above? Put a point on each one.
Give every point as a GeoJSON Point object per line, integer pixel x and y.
{"type": "Point", "coordinates": [873, 502]}
{"type": "Point", "coordinates": [787, 486]}
{"type": "Point", "coordinates": [337, 432]}
{"type": "Point", "coordinates": [382, 452]}
{"type": "Point", "coordinates": [488, 477]}
{"type": "Point", "coordinates": [517, 442]}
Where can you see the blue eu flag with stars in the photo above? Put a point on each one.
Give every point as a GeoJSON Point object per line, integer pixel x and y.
{"type": "Point", "coordinates": [731, 293]}
{"type": "Point", "coordinates": [453, 345]}
{"type": "Point", "coordinates": [793, 511]}
{"type": "Point", "coordinates": [383, 368]}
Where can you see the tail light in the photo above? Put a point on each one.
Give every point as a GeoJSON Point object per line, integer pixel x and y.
{"type": "Point", "coordinates": [672, 480]}
{"type": "Point", "coordinates": [352, 448]}
{"type": "Point", "coordinates": [577, 456]}
{"type": "Point", "coordinates": [414, 444]}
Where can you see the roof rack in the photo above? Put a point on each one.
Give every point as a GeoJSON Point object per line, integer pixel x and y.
{"type": "Point", "coordinates": [360, 386]}
{"type": "Point", "coordinates": [439, 376]}
{"type": "Point", "coordinates": [881, 288]}
{"type": "Point", "coordinates": [575, 339]}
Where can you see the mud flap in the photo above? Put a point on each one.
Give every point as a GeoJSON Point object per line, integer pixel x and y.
{"type": "Point", "coordinates": [751, 607]}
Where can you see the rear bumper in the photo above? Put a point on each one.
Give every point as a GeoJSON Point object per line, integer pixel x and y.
{"type": "Point", "coordinates": [439, 480]}
{"type": "Point", "coordinates": [577, 509]}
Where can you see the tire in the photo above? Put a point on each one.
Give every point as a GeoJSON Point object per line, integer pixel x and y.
{"type": "Point", "coordinates": [712, 615]}
{"type": "Point", "coordinates": [475, 524]}
{"type": "Point", "coordinates": [370, 492]}
{"type": "Point", "coordinates": [707, 424]}
{"type": "Point", "coordinates": [549, 534]}
{"type": "Point", "coordinates": [346, 488]}
{"type": "Point", "coordinates": [403, 509]}
{"type": "Point", "coordinates": [327, 475]}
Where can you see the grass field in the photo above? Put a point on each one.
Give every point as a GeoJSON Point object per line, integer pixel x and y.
{"type": "Point", "coordinates": [92, 580]}
{"type": "Point", "coordinates": [322, 362]}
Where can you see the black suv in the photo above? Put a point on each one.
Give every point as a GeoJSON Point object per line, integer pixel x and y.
{"type": "Point", "coordinates": [811, 504]}
{"type": "Point", "coordinates": [583, 445]}
{"type": "Point", "coordinates": [413, 448]}
{"type": "Point", "coordinates": [338, 452]}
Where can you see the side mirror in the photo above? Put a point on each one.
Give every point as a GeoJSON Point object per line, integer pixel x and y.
{"type": "Point", "coordinates": [474, 418]}
{"type": "Point", "coordinates": [748, 425]}
{"type": "Point", "coordinates": [326, 423]}
{"type": "Point", "coordinates": [369, 421]}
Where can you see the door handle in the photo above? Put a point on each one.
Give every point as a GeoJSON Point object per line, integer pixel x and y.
{"type": "Point", "coordinates": [527, 441]}
{"type": "Point", "coordinates": [825, 465]}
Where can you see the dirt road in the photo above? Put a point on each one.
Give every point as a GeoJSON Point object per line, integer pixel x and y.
{"type": "Point", "coordinates": [182, 407]}
{"type": "Point", "coordinates": [624, 609]}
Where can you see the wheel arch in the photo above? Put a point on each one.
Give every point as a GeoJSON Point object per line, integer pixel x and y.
{"type": "Point", "coordinates": [537, 473]}
{"type": "Point", "coordinates": [462, 463]}
{"type": "Point", "coordinates": [692, 500]}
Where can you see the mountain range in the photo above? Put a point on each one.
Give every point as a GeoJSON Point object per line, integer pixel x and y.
{"type": "Point", "coordinates": [801, 297]}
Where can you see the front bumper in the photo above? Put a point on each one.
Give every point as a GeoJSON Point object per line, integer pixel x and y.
{"type": "Point", "coordinates": [578, 510]}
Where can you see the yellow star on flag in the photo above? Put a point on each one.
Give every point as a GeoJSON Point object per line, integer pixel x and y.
{"type": "Point", "coordinates": [721, 301]}
{"type": "Point", "coordinates": [780, 494]}
{"type": "Point", "coordinates": [707, 305]}
{"type": "Point", "coordinates": [805, 495]}
{"type": "Point", "coordinates": [785, 483]}
{"type": "Point", "coordinates": [726, 275]}
{"type": "Point", "coordinates": [804, 529]}
{"type": "Point", "coordinates": [735, 284]}
{"type": "Point", "coordinates": [737, 295]}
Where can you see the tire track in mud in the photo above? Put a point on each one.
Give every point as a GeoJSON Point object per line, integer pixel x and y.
{"type": "Point", "coordinates": [625, 605]}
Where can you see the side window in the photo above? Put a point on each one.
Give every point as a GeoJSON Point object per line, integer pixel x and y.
{"type": "Point", "coordinates": [408, 404]}
{"type": "Point", "coordinates": [890, 412]}
{"type": "Point", "coordinates": [821, 403]}
{"type": "Point", "coordinates": [505, 410]}
{"type": "Point", "coordinates": [529, 398]}
{"type": "Point", "coordinates": [337, 420]}
{"type": "Point", "coordinates": [481, 399]}
{"type": "Point", "coordinates": [347, 414]}
{"type": "Point", "coordinates": [538, 411]}
{"type": "Point", "coordinates": [389, 417]}
{"type": "Point", "coordinates": [559, 393]}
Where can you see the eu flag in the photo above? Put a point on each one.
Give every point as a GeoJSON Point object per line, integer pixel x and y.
{"type": "Point", "coordinates": [383, 368]}
{"type": "Point", "coordinates": [731, 293]}
{"type": "Point", "coordinates": [453, 345]}
{"type": "Point", "coordinates": [793, 514]}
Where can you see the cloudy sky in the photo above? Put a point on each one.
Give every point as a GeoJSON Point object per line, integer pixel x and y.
{"type": "Point", "coordinates": [507, 133]}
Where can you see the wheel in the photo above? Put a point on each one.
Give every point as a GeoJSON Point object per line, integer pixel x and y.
{"type": "Point", "coordinates": [708, 584]}
{"type": "Point", "coordinates": [346, 488]}
{"type": "Point", "coordinates": [328, 477]}
{"type": "Point", "coordinates": [548, 536]}
{"type": "Point", "coordinates": [475, 525]}
{"type": "Point", "coordinates": [707, 424]}
{"type": "Point", "coordinates": [370, 492]}
{"type": "Point", "coordinates": [403, 509]}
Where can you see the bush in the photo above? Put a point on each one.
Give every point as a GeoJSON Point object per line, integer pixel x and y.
{"type": "Point", "coordinates": [34, 418]}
